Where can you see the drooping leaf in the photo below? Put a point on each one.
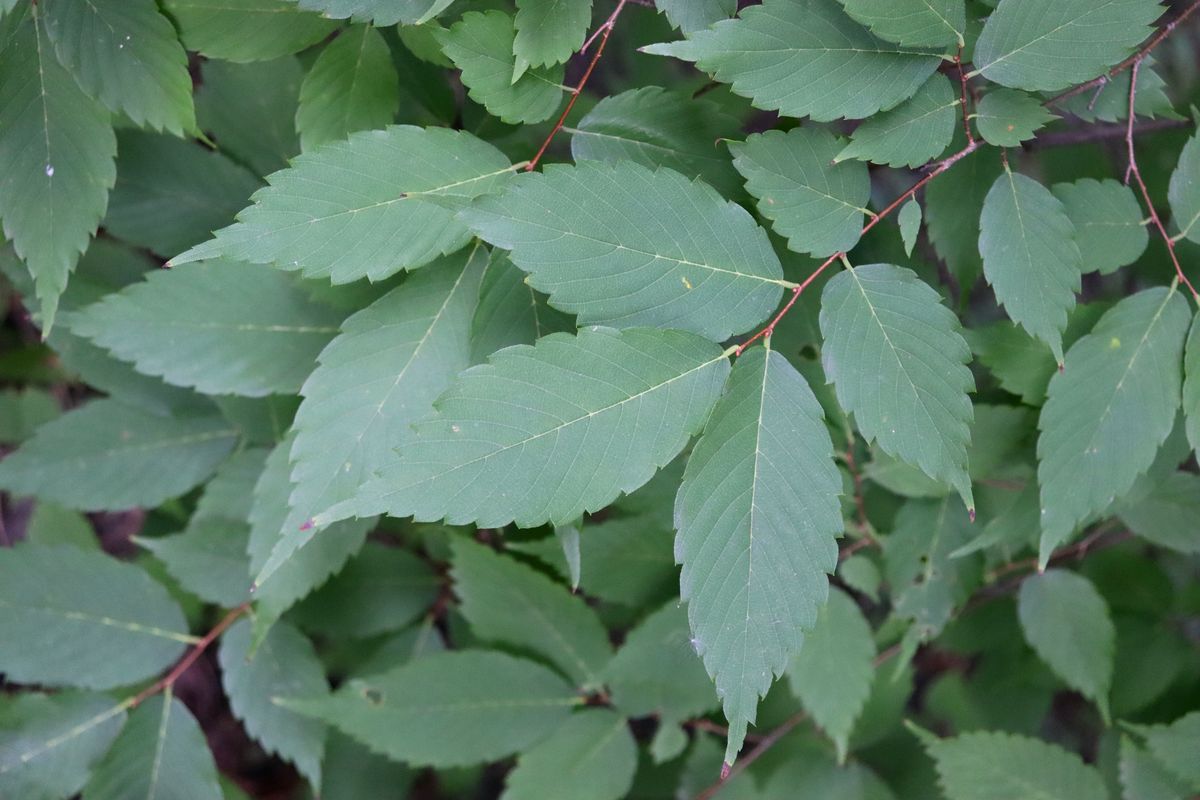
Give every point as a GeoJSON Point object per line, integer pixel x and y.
{"type": "Point", "coordinates": [757, 516]}
{"type": "Point", "coordinates": [1167, 515]}
{"type": "Point", "coordinates": [510, 312]}
{"type": "Point", "coordinates": [1184, 191]}
{"type": "Point", "coordinates": [591, 756]}
{"type": "Point", "coordinates": [1007, 117]}
{"type": "Point", "coordinates": [208, 559]}
{"type": "Point", "coordinates": [1109, 410]}
{"type": "Point", "coordinates": [910, 225]}
{"type": "Point", "coordinates": [805, 58]}
{"type": "Point", "coordinates": [692, 15]}
{"type": "Point", "coordinates": [369, 206]}
{"type": "Point", "coordinates": [816, 203]}
{"type": "Point", "coordinates": [1108, 222]}
{"type": "Point", "coordinates": [249, 30]}
{"type": "Point", "coordinates": [1191, 385]}
{"type": "Point", "coordinates": [937, 23]}
{"type": "Point", "coordinates": [352, 86]}
{"type": "Point", "coordinates": [913, 133]}
{"type": "Point", "coordinates": [612, 243]}
{"type": "Point", "coordinates": [75, 617]}
{"type": "Point", "coordinates": [896, 358]}
{"type": "Point", "coordinates": [1175, 745]}
{"type": "Point", "coordinates": [251, 110]}
{"type": "Point", "coordinates": [548, 31]}
{"type": "Point", "coordinates": [381, 12]}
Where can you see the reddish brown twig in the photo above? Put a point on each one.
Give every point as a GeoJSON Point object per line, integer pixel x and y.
{"type": "Point", "coordinates": [962, 82]}
{"type": "Point", "coordinates": [189, 657]}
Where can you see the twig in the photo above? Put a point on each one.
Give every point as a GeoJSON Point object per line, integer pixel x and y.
{"type": "Point", "coordinates": [1095, 133]}
{"type": "Point", "coordinates": [189, 658]}
{"type": "Point", "coordinates": [962, 80]}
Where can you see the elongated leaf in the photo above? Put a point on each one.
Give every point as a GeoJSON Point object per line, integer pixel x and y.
{"type": "Point", "coordinates": [621, 245]}
{"type": "Point", "coordinates": [591, 756]}
{"type": "Point", "coordinates": [74, 617]}
{"type": "Point", "coordinates": [208, 559]}
{"type": "Point", "coordinates": [1030, 257]}
{"type": "Point", "coordinates": [251, 110]}
{"type": "Point", "coordinates": [896, 357]}
{"type": "Point", "coordinates": [817, 204]}
{"type": "Point", "coordinates": [1007, 117]}
{"type": "Point", "coordinates": [938, 23]}
{"type": "Point", "coordinates": [381, 12]}
{"type": "Point", "coordinates": [758, 517]}
{"type": "Point", "coordinates": [510, 312]}
{"type": "Point", "coordinates": [910, 225]}
{"type": "Point", "coordinates": [1191, 385]}
{"type": "Point", "coordinates": [1184, 191]}
{"type": "Point", "coordinates": [1108, 223]}
{"type": "Point", "coordinates": [1109, 410]}
{"type": "Point", "coordinates": [369, 206]}
{"type": "Point", "coordinates": [249, 30]}
{"type": "Point", "coordinates": [549, 31]}
{"type": "Point", "coordinates": [125, 54]}
{"type": "Point", "coordinates": [449, 709]}
{"type": "Point", "coordinates": [1029, 44]}
{"type": "Point", "coordinates": [351, 86]}
{"type": "Point", "coordinates": [805, 58]}
{"type": "Point", "coordinates": [913, 133]}
{"type": "Point", "coordinates": [1175, 745]}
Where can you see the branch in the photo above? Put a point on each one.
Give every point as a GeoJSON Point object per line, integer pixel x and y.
{"type": "Point", "coordinates": [189, 658]}
{"type": "Point", "coordinates": [1096, 133]}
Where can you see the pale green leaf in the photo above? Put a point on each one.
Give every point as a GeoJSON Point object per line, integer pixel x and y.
{"type": "Point", "coordinates": [1184, 191]}
{"type": "Point", "coordinates": [669, 742]}
{"type": "Point", "coordinates": [1007, 117]}
{"type": "Point", "coordinates": [910, 224]}
{"type": "Point", "coordinates": [1167, 515]}
{"type": "Point", "coordinates": [692, 15]}
{"type": "Point", "coordinates": [568, 538]}
{"type": "Point", "coordinates": [913, 133]}
{"type": "Point", "coordinates": [937, 23]}
{"type": "Point", "coordinates": [1143, 777]}
{"type": "Point", "coordinates": [75, 617]}
{"type": "Point", "coordinates": [369, 206]}
{"type": "Point", "coordinates": [1176, 745]}
{"type": "Point", "coordinates": [381, 12]}
{"type": "Point", "coordinates": [896, 358]}
{"type": "Point", "coordinates": [549, 31]}
{"type": "Point", "coordinates": [208, 559]}
{"type": "Point", "coordinates": [816, 203]}
{"type": "Point", "coordinates": [1109, 228]}
{"type": "Point", "coordinates": [1191, 385]}
{"type": "Point", "coordinates": [352, 86]}
{"type": "Point", "coordinates": [248, 30]}
{"type": "Point", "coordinates": [250, 109]}
{"type": "Point", "coordinates": [510, 312]}
{"type": "Point", "coordinates": [758, 516]}
{"type": "Point", "coordinates": [805, 58]}
{"type": "Point", "coordinates": [125, 54]}
{"type": "Point", "coordinates": [591, 756]}
{"type": "Point", "coordinates": [621, 245]}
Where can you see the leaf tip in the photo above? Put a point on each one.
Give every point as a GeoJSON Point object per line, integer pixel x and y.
{"type": "Point", "coordinates": [725, 769]}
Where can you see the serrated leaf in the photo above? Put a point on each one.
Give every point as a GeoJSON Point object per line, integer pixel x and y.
{"type": "Point", "coordinates": [1007, 117]}
{"type": "Point", "coordinates": [481, 45]}
{"type": "Point", "coordinates": [1167, 515]}
{"type": "Point", "coordinates": [508, 603]}
{"type": "Point", "coordinates": [283, 666]}
{"type": "Point", "coordinates": [230, 493]}
{"type": "Point", "coordinates": [249, 30]}
{"type": "Point", "coordinates": [1109, 410]}
{"type": "Point", "coordinates": [549, 31]}
{"type": "Point", "coordinates": [952, 207]}
{"type": "Point", "coordinates": [833, 671]}
{"type": "Point", "coordinates": [692, 15]}
{"type": "Point", "coordinates": [760, 490]}
{"type": "Point", "coordinates": [938, 23]}
{"type": "Point", "coordinates": [75, 617]}
{"type": "Point", "coordinates": [1029, 44]}
{"type": "Point", "coordinates": [251, 110]}
{"type": "Point", "coordinates": [1110, 101]}
{"type": "Point", "coordinates": [805, 58]}
{"type": "Point", "coordinates": [1144, 778]}
{"type": "Point", "coordinates": [1108, 222]}
{"type": "Point", "coordinates": [352, 86]}
{"type": "Point", "coordinates": [1184, 191]}
{"type": "Point", "coordinates": [56, 155]}
{"type": "Point", "coordinates": [1191, 385]}
{"type": "Point", "coordinates": [352, 771]}
{"type": "Point", "coordinates": [510, 312]}
{"type": "Point", "coordinates": [221, 327]}
{"type": "Point", "coordinates": [1030, 257]}
{"type": "Point", "coordinates": [1175, 745]}
{"type": "Point", "coordinates": [896, 358]}
{"type": "Point", "coordinates": [816, 203]}
{"type": "Point", "coordinates": [107, 456]}
{"type": "Point", "coordinates": [449, 709]}
{"type": "Point", "coordinates": [913, 133]}
{"type": "Point", "coordinates": [370, 206]}
{"type": "Point", "coordinates": [632, 258]}
{"type": "Point", "coordinates": [381, 12]}
{"type": "Point", "coordinates": [591, 756]}
{"type": "Point", "coordinates": [161, 754]}
{"type": "Point", "coordinates": [208, 559]}
{"type": "Point", "coordinates": [1067, 622]}
{"type": "Point", "coordinates": [910, 224]}
{"type": "Point", "coordinates": [125, 54]}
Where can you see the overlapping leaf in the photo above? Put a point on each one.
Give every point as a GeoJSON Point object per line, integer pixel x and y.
{"type": "Point", "coordinates": [913, 133]}
{"type": "Point", "coordinates": [1191, 385]}
{"type": "Point", "coordinates": [510, 312]}
{"type": "Point", "coordinates": [1007, 117]}
{"type": "Point", "coordinates": [1175, 745]}
{"type": "Point", "coordinates": [381, 12]}
{"type": "Point", "coordinates": [1184, 191]}
{"type": "Point", "coordinates": [937, 23]}
{"type": "Point", "coordinates": [1107, 216]}
{"type": "Point", "coordinates": [549, 31]}
{"type": "Point", "coordinates": [692, 15]}
{"type": "Point", "coordinates": [591, 756]}
{"type": "Point", "coordinates": [208, 559]}
{"type": "Point", "coordinates": [251, 110]}
{"type": "Point", "coordinates": [352, 86]}
{"type": "Point", "coordinates": [249, 30]}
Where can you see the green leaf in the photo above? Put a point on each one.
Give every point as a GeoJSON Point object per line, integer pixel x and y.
{"type": "Point", "coordinates": [54, 525]}
{"type": "Point", "coordinates": [591, 756]}
{"type": "Point", "coordinates": [125, 54]}
{"type": "Point", "coordinates": [549, 31]}
{"type": "Point", "coordinates": [953, 204]}
{"type": "Point", "coordinates": [353, 772]}
{"type": "Point", "coordinates": [910, 224]}
{"type": "Point", "coordinates": [1108, 222]}
{"type": "Point", "coordinates": [692, 15]}
{"type": "Point", "coordinates": [1028, 44]}
{"type": "Point", "coordinates": [1167, 515]}
{"type": "Point", "coordinates": [183, 325]}
{"type": "Point", "coordinates": [632, 258]}
{"type": "Point", "coordinates": [208, 559]}
{"type": "Point", "coordinates": [1191, 385]}
{"type": "Point", "coordinates": [1067, 622]}
{"type": "Point", "coordinates": [1110, 101]}
{"type": "Point", "coordinates": [885, 328]}
{"type": "Point", "coordinates": [805, 58]}
{"type": "Point", "coordinates": [913, 133]}
{"type": "Point", "coordinates": [352, 86]}
{"type": "Point", "coordinates": [1184, 191]}
{"type": "Point", "coordinates": [251, 110]}
{"type": "Point", "coordinates": [989, 765]}
{"type": "Point", "coordinates": [833, 671]}
{"type": "Point", "coordinates": [1145, 778]}
{"type": "Point", "coordinates": [230, 493]}
{"type": "Point", "coordinates": [1030, 256]}
{"type": "Point", "coordinates": [937, 23]}
{"type": "Point", "coordinates": [817, 204]}
{"type": "Point", "coordinates": [56, 155]}
{"type": "Point", "coordinates": [568, 538]}
{"type": "Point", "coordinates": [760, 490]}
{"type": "Point", "coordinates": [160, 755]}
{"type": "Point", "coordinates": [510, 312]}
{"type": "Point", "coordinates": [381, 12]}
{"type": "Point", "coordinates": [1007, 117]}
{"type": "Point", "coordinates": [508, 603]}
{"type": "Point", "coordinates": [107, 456]}
{"type": "Point", "coordinates": [249, 30]}
{"type": "Point", "coordinates": [283, 666]}
{"type": "Point", "coordinates": [1109, 410]}
{"type": "Point", "coordinates": [23, 411]}
{"type": "Point", "coordinates": [1175, 745]}
{"type": "Point", "coordinates": [75, 617]}
{"type": "Point", "coordinates": [481, 44]}
{"type": "Point", "coordinates": [369, 206]}
{"type": "Point", "coordinates": [449, 709]}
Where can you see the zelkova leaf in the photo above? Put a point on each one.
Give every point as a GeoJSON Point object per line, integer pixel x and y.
{"type": "Point", "coordinates": [1191, 385]}
{"type": "Point", "coordinates": [1109, 410]}
{"type": "Point", "coordinates": [1184, 191]}
{"type": "Point", "coordinates": [693, 15]}
{"type": "Point", "coordinates": [896, 358]}
{"type": "Point", "coordinates": [913, 133]}
{"type": "Point", "coordinates": [126, 55]}
{"type": "Point", "coordinates": [1167, 515]}
{"type": "Point", "coordinates": [57, 152]}
{"type": "Point", "coordinates": [910, 225]}
{"type": "Point", "coordinates": [621, 245]}
{"type": "Point", "coordinates": [1067, 622]}
{"type": "Point", "coordinates": [75, 617]}
{"type": "Point", "coordinates": [208, 559]}
{"type": "Point", "coordinates": [816, 203]}
{"type": "Point", "coordinates": [1144, 777]}
{"type": "Point", "coordinates": [546, 433]}
{"type": "Point", "coordinates": [1109, 228]}
{"type": "Point", "coordinates": [805, 58]}
{"type": "Point", "coordinates": [251, 110]}
{"type": "Point", "coordinates": [758, 516]}
{"type": "Point", "coordinates": [510, 312]}
{"type": "Point", "coordinates": [1007, 117]}
{"type": "Point", "coordinates": [352, 86]}
{"type": "Point", "coordinates": [549, 31]}
{"type": "Point", "coordinates": [1175, 746]}
{"type": "Point", "coordinates": [369, 206]}
{"type": "Point", "coordinates": [591, 756]}
{"type": "Point", "coordinates": [1030, 256]}
{"type": "Point", "coordinates": [449, 709]}
{"type": "Point", "coordinates": [248, 30]}
{"type": "Point", "coordinates": [1039, 46]}
{"type": "Point", "coordinates": [936, 23]}
{"type": "Point", "coordinates": [219, 326]}
{"type": "Point", "coordinates": [380, 12]}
